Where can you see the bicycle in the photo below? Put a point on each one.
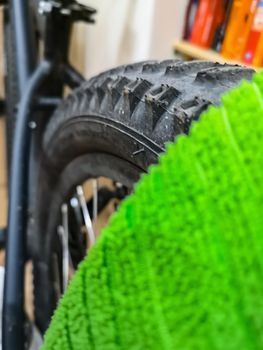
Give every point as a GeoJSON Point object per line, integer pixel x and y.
{"type": "Point", "coordinates": [114, 125]}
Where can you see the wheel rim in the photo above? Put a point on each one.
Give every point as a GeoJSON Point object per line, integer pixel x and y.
{"type": "Point", "coordinates": [63, 254]}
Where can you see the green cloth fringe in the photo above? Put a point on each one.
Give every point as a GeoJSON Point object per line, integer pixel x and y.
{"type": "Point", "coordinates": [180, 266]}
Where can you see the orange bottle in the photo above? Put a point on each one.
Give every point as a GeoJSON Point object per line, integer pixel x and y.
{"type": "Point", "coordinates": [238, 29]}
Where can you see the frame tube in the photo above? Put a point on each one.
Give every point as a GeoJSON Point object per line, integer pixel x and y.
{"type": "Point", "coordinates": [13, 306]}
{"type": "Point", "coordinates": [25, 45]}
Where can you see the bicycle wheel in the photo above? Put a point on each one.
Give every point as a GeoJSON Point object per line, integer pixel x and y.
{"type": "Point", "coordinates": [114, 126]}
{"type": "Point", "coordinates": [185, 269]}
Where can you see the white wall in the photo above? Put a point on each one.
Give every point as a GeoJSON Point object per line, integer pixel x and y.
{"type": "Point", "coordinates": [167, 25]}
{"type": "Point", "coordinates": [127, 31]}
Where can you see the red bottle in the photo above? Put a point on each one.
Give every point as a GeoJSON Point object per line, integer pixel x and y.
{"type": "Point", "coordinates": [209, 15]}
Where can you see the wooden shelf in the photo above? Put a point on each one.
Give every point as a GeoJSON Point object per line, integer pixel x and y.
{"type": "Point", "coordinates": [191, 51]}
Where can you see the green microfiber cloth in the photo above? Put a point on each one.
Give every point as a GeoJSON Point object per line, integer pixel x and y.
{"type": "Point", "coordinates": [181, 264]}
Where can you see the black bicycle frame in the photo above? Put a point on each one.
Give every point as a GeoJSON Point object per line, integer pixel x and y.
{"type": "Point", "coordinates": [40, 85]}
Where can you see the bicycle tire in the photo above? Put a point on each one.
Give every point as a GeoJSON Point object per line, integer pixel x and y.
{"type": "Point", "coordinates": [119, 122]}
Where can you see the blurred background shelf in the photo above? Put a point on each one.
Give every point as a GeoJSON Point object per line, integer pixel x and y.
{"type": "Point", "coordinates": [190, 52]}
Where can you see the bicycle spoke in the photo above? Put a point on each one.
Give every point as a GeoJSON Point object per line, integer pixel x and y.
{"type": "Point", "coordinates": [95, 200]}
{"type": "Point", "coordinates": [63, 233]}
{"type": "Point", "coordinates": [86, 215]}
{"type": "Point", "coordinates": [74, 203]}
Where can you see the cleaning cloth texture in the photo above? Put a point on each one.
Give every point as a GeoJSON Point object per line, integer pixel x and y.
{"type": "Point", "coordinates": [180, 266]}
